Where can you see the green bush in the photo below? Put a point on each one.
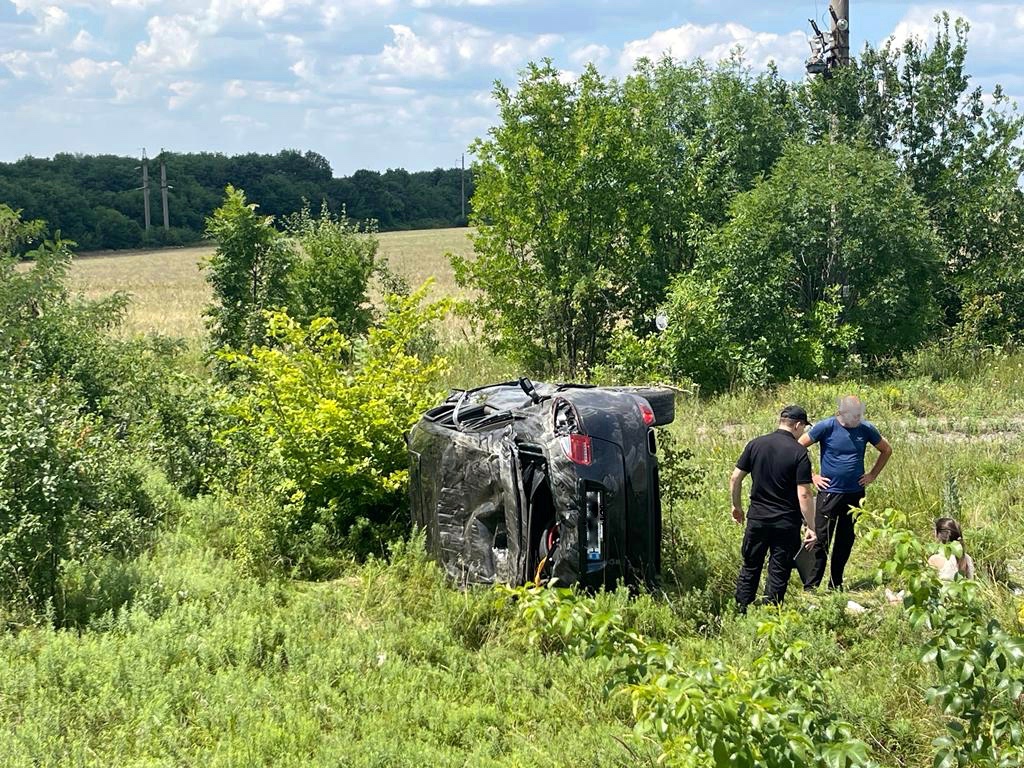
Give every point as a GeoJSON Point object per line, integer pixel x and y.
{"type": "Point", "coordinates": [319, 421]}
{"type": "Point", "coordinates": [829, 261]}
{"type": "Point", "coordinates": [80, 408]}
{"type": "Point", "coordinates": [979, 664]}
{"type": "Point", "coordinates": [248, 272]}
{"type": "Point", "coordinates": [68, 492]}
{"type": "Point", "coordinates": [16, 234]}
{"type": "Point", "coordinates": [773, 712]}
{"type": "Point", "coordinates": [331, 277]}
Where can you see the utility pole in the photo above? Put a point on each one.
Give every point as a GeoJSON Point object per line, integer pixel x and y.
{"type": "Point", "coordinates": [463, 187]}
{"type": "Point", "coordinates": [145, 186]}
{"type": "Point", "coordinates": [840, 11]}
{"type": "Point", "coordinates": [163, 189]}
{"type": "Point", "coordinates": [831, 51]}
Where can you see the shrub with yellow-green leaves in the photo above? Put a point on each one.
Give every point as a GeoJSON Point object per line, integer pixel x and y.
{"type": "Point", "coordinates": [317, 435]}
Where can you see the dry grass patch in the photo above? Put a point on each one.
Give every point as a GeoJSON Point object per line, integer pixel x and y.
{"type": "Point", "coordinates": [169, 290]}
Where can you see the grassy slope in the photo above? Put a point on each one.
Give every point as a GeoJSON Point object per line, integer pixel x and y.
{"type": "Point", "coordinates": [389, 666]}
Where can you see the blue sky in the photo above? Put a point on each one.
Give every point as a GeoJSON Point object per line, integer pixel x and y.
{"type": "Point", "coordinates": [377, 83]}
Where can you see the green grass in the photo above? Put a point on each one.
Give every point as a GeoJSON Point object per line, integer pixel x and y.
{"type": "Point", "coordinates": [391, 666]}
{"type": "Point", "coordinates": [387, 666]}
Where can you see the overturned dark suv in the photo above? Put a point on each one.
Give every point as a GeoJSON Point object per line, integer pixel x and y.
{"type": "Point", "coordinates": [527, 482]}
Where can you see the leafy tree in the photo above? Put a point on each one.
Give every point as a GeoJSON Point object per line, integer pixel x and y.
{"type": "Point", "coordinates": [556, 188]}
{"type": "Point", "coordinates": [16, 234]}
{"type": "Point", "coordinates": [248, 272]}
{"type": "Point", "coordinates": [95, 199]}
{"type": "Point", "coordinates": [831, 257]}
{"type": "Point", "coordinates": [332, 275]}
{"type": "Point", "coordinates": [962, 150]}
{"type": "Point", "coordinates": [590, 196]}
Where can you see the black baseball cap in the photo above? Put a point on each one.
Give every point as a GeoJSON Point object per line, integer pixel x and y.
{"type": "Point", "coordinates": [795, 413]}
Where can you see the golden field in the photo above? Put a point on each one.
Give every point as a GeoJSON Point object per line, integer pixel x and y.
{"type": "Point", "coordinates": [169, 291]}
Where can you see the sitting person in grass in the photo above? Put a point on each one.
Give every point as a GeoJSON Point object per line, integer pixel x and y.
{"type": "Point", "coordinates": [947, 531]}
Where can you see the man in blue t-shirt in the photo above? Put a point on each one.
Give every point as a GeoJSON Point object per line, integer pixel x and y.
{"type": "Point", "coordinates": [843, 439]}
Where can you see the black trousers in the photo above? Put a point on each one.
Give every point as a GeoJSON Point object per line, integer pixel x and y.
{"type": "Point", "coordinates": [833, 523]}
{"type": "Point", "coordinates": [779, 541]}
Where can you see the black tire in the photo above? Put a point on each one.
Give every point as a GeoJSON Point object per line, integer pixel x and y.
{"type": "Point", "coordinates": [661, 399]}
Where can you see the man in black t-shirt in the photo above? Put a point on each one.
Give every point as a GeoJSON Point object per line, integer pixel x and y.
{"type": "Point", "coordinates": [780, 500]}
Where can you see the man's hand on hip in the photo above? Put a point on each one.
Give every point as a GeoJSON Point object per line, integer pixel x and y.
{"type": "Point", "coordinates": [821, 482]}
{"type": "Point", "coordinates": [867, 479]}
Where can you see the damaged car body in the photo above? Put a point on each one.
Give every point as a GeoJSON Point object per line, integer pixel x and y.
{"type": "Point", "coordinates": [546, 483]}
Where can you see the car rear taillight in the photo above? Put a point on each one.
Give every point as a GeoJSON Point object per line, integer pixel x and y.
{"type": "Point", "coordinates": [646, 411]}
{"type": "Point", "coordinates": [578, 449]}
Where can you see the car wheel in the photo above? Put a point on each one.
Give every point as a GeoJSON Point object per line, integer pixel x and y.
{"type": "Point", "coordinates": [661, 399]}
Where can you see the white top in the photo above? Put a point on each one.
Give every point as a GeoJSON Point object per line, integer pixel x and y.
{"type": "Point", "coordinates": [949, 569]}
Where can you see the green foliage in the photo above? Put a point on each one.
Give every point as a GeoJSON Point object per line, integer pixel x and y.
{"type": "Point", "coordinates": [892, 217]}
{"type": "Point", "coordinates": [586, 206]}
{"type": "Point", "coordinates": [326, 416]}
{"type": "Point", "coordinates": [248, 272]}
{"type": "Point", "coordinates": [79, 407]}
{"type": "Point", "coordinates": [332, 276]}
{"type": "Point", "coordinates": [16, 234]}
{"type": "Point", "coordinates": [979, 664]}
{"type": "Point", "coordinates": [961, 150]}
{"type": "Point", "coordinates": [831, 257]}
{"type": "Point", "coordinates": [388, 666]}
{"type": "Point", "coordinates": [774, 712]}
{"type": "Point", "coordinates": [556, 240]}
{"type": "Point", "coordinates": [95, 200]}
{"type": "Point", "coordinates": [68, 492]}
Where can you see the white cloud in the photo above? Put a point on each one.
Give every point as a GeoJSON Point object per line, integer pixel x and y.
{"type": "Point", "coordinates": [173, 44]}
{"type": "Point", "coordinates": [52, 19]}
{"type": "Point", "coordinates": [995, 39]}
{"type": "Point", "coordinates": [182, 91]}
{"type": "Point", "coordinates": [590, 54]}
{"type": "Point", "coordinates": [90, 77]}
{"type": "Point", "coordinates": [41, 65]}
{"type": "Point", "coordinates": [442, 3]}
{"type": "Point", "coordinates": [83, 69]}
{"type": "Point", "coordinates": [235, 89]}
{"type": "Point", "coordinates": [441, 49]}
{"type": "Point", "coordinates": [266, 91]}
{"type": "Point", "coordinates": [715, 42]}
{"type": "Point", "coordinates": [994, 42]}
{"type": "Point", "coordinates": [84, 42]}
{"type": "Point", "coordinates": [412, 55]}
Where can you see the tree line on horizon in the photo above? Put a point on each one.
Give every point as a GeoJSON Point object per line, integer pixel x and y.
{"type": "Point", "coordinates": [97, 201]}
